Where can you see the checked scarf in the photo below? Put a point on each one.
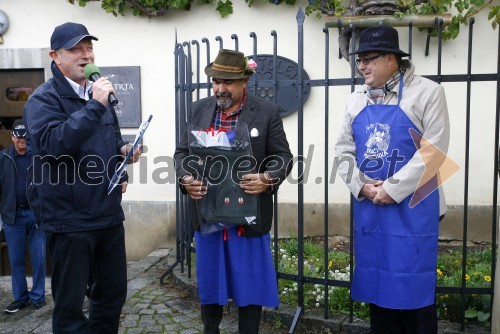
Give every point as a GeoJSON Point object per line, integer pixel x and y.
{"type": "Point", "coordinates": [377, 95]}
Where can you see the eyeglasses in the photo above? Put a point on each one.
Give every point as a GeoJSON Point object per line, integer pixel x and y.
{"type": "Point", "coordinates": [367, 60]}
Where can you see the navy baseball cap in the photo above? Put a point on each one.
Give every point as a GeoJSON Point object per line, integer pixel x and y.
{"type": "Point", "coordinates": [19, 131]}
{"type": "Point", "coordinates": [67, 35]}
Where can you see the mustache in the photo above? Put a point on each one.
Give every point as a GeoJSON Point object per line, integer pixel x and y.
{"type": "Point", "coordinates": [225, 94]}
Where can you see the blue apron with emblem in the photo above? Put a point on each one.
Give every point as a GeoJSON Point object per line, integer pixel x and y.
{"type": "Point", "coordinates": [395, 244]}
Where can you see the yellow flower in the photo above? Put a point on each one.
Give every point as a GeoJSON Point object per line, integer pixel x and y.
{"type": "Point", "coordinates": [439, 272]}
{"type": "Point", "coordinates": [330, 264]}
{"type": "Point", "coordinates": [467, 277]}
{"type": "Point", "coordinates": [487, 278]}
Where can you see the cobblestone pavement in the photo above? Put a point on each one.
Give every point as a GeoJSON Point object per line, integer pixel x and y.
{"type": "Point", "coordinates": [173, 308]}
{"type": "Point", "coordinates": [150, 307]}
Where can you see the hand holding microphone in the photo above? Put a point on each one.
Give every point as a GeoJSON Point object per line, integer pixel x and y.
{"type": "Point", "coordinates": [102, 89]}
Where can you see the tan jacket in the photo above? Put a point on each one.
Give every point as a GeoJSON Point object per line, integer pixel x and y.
{"type": "Point", "coordinates": [424, 102]}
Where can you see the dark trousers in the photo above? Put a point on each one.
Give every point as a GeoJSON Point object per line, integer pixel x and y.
{"type": "Point", "coordinates": [248, 318]}
{"type": "Point", "coordinates": [75, 256]}
{"type": "Point", "coordinates": [390, 321]}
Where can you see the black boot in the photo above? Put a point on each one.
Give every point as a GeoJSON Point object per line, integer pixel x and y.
{"type": "Point", "coordinates": [211, 316]}
{"type": "Point", "coordinates": [249, 319]}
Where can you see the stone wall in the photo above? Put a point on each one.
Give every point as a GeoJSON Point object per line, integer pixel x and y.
{"type": "Point", "coordinates": [150, 225]}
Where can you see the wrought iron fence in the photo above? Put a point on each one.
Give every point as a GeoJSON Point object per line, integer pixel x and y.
{"type": "Point", "coordinates": [188, 57]}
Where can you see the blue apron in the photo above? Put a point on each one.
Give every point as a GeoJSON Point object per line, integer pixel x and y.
{"type": "Point", "coordinates": [395, 245]}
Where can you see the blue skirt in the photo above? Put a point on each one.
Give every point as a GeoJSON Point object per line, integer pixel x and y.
{"type": "Point", "coordinates": [237, 268]}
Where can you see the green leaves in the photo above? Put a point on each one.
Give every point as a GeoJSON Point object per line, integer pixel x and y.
{"type": "Point", "coordinates": [405, 4]}
{"type": "Point", "coordinates": [224, 7]}
{"type": "Point", "coordinates": [464, 9]}
{"type": "Point", "coordinates": [482, 317]}
{"type": "Point", "coordinates": [328, 7]}
{"type": "Point", "coordinates": [470, 313]}
{"type": "Point", "coordinates": [110, 6]}
{"type": "Point", "coordinates": [473, 313]}
{"type": "Point", "coordinates": [494, 15]}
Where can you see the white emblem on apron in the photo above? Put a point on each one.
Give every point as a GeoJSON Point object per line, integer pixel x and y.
{"type": "Point", "coordinates": [378, 142]}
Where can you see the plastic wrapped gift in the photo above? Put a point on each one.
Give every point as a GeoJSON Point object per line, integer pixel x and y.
{"type": "Point", "coordinates": [220, 158]}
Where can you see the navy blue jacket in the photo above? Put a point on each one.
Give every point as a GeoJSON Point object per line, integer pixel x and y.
{"type": "Point", "coordinates": [75, 146]}
{"type": "Point", "coordinates": [8, 172]}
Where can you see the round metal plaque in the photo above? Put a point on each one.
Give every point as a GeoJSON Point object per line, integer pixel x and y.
{"type": "Point", "coordinates": [283, 86]}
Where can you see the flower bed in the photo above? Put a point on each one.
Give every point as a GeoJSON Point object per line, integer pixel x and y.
{"type": "Point", "coordinates": [448, 271]}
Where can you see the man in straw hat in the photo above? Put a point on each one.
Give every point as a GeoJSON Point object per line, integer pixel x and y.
{"type": "Point", "coordinates": [234, 262]}
{"type": "Point", "coordinates": [388, 122]}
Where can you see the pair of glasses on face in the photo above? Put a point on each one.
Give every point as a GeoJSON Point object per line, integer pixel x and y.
{"type": "Point", "coordinates": [367, 60]}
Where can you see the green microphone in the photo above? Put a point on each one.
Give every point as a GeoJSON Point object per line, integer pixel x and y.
{"type": "Point", "coordinates": [93, 73]}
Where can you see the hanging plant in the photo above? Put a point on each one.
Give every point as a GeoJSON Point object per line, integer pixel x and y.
{"type": "Point", "coordinates": [152, 8]}
{"type": "Point", "coordinates": [464, 10]}
{"type": "Point", "coordinates": [326, 7]}
{"type": "Point", "coordinates": [398, 8]}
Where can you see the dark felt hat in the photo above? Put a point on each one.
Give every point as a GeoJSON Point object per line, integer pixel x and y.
{"type": "Point", "coordinates": [19, 131]}
{"type": "Point", "coordinates": [379, 38]}
{"type": "Point", "coordinates": [229, 65]}
{"type": "Point", "coordinates": [67, 35]}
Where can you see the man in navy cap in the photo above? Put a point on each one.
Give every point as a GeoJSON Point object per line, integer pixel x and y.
{"type": "Point", "coordinates": [77, 145]}
{"type": "Point", "coordinates": [19, 224]}
{"type": "Point", "coordinates": [398, 202]}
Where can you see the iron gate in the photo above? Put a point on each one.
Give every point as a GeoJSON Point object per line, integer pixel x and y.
{"type": "Point", "coordinates": [188, 56]}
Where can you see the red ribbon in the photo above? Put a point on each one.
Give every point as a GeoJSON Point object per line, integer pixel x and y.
{"type": "Point", "coordinates": [241, 231]}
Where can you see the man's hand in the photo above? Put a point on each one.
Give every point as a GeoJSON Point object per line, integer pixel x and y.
{"type": "Point", "coordinates": [124, 187]}
{"type": "Point", "coordinates": [369, 190]}
{"type": "Point", "coordinates": [137, 153]}
{"type": "Point", "coordinates": [382, 197]}
{"type": "Point", "coordinates": [101, 90]}
{"type": "Point", "coordinates": [376, 193]}
{"type": "Point", "coordinates": [255, 183]}
{"type": "Point", "coordinates": [195, 188]}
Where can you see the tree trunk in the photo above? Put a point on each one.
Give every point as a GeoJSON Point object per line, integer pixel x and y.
{"type": "Point", "coordinates": [365, 21]}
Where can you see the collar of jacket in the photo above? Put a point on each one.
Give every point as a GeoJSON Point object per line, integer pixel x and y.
{"type": "Point", "coordinates": [63, 86]}
{"type": "Point", "coordinates": [9, 151]}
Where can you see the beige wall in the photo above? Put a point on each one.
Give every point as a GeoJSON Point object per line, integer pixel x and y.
{"type": "Point", "coordinates": [148, 226]}
{"type": "Point", "coordinates": [151, 225]}
{"type": "Point", "coordinates": [149, 43]}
